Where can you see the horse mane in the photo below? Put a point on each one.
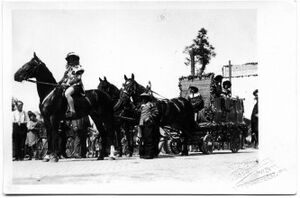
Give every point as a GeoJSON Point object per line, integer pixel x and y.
{"type": "Point", "coordinates": [44, 75]}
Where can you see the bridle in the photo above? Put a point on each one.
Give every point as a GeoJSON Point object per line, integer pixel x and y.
{"type": "Point", "coordinates": [40, 82]}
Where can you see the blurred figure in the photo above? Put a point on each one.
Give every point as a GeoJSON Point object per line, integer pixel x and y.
{"type": "Point", "coordinates": [20, 120]}
{"type": "Point", "coordinates": [254, 121]}
{"type": "Point", "coordinates": [42, 144]}
{"type": "Point", "coordinates": [31, 140]}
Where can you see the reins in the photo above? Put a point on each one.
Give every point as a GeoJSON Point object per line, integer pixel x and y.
{"type": "Point", "coordinates": [158, 94]}
{"type": "Point", "coordinates": [45, 83]}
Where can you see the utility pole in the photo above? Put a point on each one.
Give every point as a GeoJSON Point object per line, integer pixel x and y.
{"type": "Point", "coordinates": [192, 62]}
{"type": "Point", "coordinates": [229, 72]}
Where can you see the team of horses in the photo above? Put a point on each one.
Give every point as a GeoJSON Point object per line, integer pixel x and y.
{"type": "Point", "coordinates": [111, 109]}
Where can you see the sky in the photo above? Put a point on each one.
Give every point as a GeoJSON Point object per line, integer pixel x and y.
{"type": "Point", "coordinates": [146, 42]}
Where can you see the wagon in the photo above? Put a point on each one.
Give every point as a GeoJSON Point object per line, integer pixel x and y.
{"type": "Point", "coordinates": [219, 118]}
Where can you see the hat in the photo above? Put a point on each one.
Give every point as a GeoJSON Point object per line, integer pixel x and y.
{"type": "Point", "coordinates": [227, 83]}
{"type": "Point", "coordinates": [255, 92]}
{"type": "Point", "coordinates": [30, 113]}
{"type": "Point", "coordinates": [193, 89]}
{"type": "Point", "coordinates": [19, 102]}
{"type": "Point", "coordinates": [72, 55]}
{"type": "Point", "coordinates": [218, 78]}
{"type": "Point", "coordinates": [145, 95]}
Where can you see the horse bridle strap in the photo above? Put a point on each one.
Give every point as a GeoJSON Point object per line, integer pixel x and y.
{"type": "Point", "coordinates": [39, 82]}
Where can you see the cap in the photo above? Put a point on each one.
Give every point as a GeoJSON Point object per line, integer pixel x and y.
{"type": "Point", "coordinates": [194, 89]}
{"type": "Point", "coordinates": [255, 92]}
{"type": "Point", "coordinates": [72, 55]}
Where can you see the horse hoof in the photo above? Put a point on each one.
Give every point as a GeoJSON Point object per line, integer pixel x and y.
{"type": "Point", "coordinates": [111, 157]}
{"type": "Point", "coordinates": [54, 159]}
{"type": "Point", "coordinates": [100, 158]}
{"type": "Point", "coordinates": [46, 158]}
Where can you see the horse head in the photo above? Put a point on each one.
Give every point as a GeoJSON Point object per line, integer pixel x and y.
{"type": "Point", "coordinates": [104, 85]}
{"type": "Point", "coordinates": [29, 69]}
{"type": "Point", "coordinates": [131, 87]}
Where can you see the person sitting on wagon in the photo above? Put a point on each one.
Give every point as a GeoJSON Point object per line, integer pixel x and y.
{"type": "Point", "coordinates": [72, 80]}
{"type": "Point", "coordinates": [217, 87]}
{"type": "Point", "coordinates": [226, 88]}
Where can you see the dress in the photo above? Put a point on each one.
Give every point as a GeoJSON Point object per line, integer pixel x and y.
{"type": "Point", "coordinates": [32, 133]}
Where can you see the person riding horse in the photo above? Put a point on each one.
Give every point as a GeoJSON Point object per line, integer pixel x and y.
{"type": "Point", "coordinates": [72, 80]}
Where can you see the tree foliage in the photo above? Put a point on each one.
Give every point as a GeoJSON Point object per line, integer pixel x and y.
{"type": "Point", "coordinates": [201, 49]}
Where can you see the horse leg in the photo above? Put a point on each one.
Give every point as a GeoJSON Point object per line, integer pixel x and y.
{"type": "Point", "coordinates": [110, 130]}
{"type": "Point", "coordinates": [118, 138]}
{"type": "Point", "coordinates": [55, 139]}
{"type": "Point", "coordinates": [129, 138]}
{"type": "Point", "coordinates": [102, 133]}
{"type": "Point", "coordinates": [49, 151]}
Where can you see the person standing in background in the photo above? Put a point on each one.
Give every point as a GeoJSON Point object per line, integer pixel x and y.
{"type": "Point", "coordinates": [31, 140]}
{"type": "Point", "coordinates": [20, 120]}
{"type": "Point", "coordinates": [254, 121]}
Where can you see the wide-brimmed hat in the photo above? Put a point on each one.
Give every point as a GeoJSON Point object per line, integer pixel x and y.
{"type": "Point", "coordinates": [146, 95]}
{"type": "Point", "coordinates": [218, 78]}
{"type": "Point", "coordinates": [72, 56]}
{"type": "Point", "coordinates": [19, 102]}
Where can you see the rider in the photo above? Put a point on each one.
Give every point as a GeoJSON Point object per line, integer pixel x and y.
{"type": "Point", "coordinates": [72, 80]}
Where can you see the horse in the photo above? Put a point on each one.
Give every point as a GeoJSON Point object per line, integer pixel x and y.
{"type": "Point", "coordinates": [53, 106]}
{"type": "Point", "coordinates": [125, 116]}
{"type": "Point", "coordinates": [176, 113]}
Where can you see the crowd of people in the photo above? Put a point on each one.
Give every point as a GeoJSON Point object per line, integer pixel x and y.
{"type": "Point", "coordinates": [77, 138]}
{"type": "Point", "coordinates": [28, 134]}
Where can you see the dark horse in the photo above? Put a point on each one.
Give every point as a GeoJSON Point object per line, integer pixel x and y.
{"type": "Point", "coordinates": [53, 106]}
{"type": "Point", "coordinates": [176, 113]}
{"type": "Point", "coordinates": [125, 116]}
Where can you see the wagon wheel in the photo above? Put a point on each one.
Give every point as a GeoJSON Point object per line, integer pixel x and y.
{"type": "Point", "coordinates": [207, 144]}
{"type": "Point", "coordinates": [174, 146]}
{"type": "Point", "coordinates": [70, 147]}
{"type": "Point", "coordinates": [235, 144]}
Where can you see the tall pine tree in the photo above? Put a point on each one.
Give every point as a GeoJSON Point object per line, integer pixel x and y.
{"type": "Point", "coordinates": [200, 52]}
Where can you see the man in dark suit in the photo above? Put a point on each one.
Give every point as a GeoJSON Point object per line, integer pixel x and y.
{"type": "Point", "coordinates": [254, 121]}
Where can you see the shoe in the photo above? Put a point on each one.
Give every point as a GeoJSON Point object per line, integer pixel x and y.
{"type": "Point", "coordinates": [148, 157]}
{"type": "Point", "coordinates": [46, 158]}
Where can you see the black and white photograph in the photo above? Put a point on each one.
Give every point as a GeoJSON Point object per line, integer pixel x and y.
{"type": "Point", "coordinates": [149, 97]}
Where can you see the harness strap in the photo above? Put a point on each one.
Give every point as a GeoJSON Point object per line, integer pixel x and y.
{"type": "Point", "coordinates": [39, 82]}
{"type": "Point", "coordinates": [89, 101]}
{"type": "Point", "coordinates": [47, 97]}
